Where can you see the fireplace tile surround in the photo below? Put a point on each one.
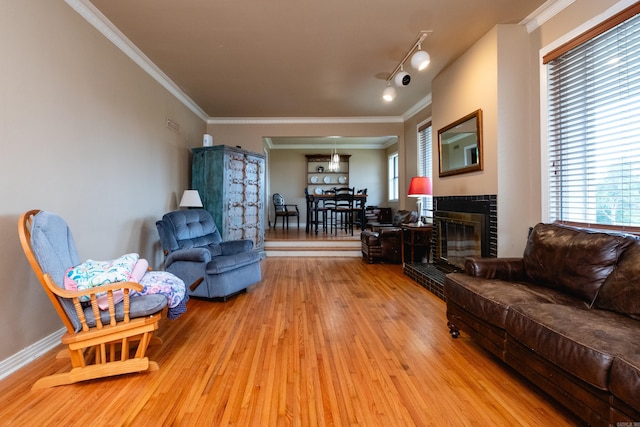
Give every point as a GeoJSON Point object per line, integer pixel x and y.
{"type": "Point", "coordinates": [431, 276]}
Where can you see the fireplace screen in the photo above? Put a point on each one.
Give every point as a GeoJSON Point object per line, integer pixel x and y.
{"type": "Point", "coordinates": [458, 236]}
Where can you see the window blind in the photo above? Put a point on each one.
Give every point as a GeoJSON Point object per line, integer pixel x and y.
{"type": "Point", "coordinates": [425, 164]}
{"type": "Point", "coordinates": [594, 129]}
{"type": "Point", "coordinates": [393, 177]}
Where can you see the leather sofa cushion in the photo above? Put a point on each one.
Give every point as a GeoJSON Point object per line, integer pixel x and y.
{"type": "Point", "coordinates": [621, 291]}
{"type": "Point", "coordinates": [625, 379]}
{"type": "Point", "coordinates": [580, 340]}
{"type": "Point", "coordinates": [572, 260]}
{"type": "Point", "coordinates": [490, 299]}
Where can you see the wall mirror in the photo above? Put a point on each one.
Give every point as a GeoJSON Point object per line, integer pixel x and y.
{"type": "Point", "coordinates": [460, 145]}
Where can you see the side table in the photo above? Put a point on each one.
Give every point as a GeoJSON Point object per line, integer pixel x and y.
{"type": "Point", "coordinates": [416, 242]}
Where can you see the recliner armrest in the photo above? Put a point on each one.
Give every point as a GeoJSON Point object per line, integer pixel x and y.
{"type": "Point", "coordinates": [191, 254]}
{"type": "Point", "coordinates": [389, 231]}
{"type": "Point", "coordinates": [232, 247]}
{"type": "Point", "coordinates": [509, 269]}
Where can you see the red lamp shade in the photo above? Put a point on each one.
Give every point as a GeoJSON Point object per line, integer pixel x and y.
{"type": "Point", "coordinates": [420, 186]}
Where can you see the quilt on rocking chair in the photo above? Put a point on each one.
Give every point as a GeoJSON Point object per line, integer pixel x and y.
{"type": "Point", "coordinates": [128, 268]}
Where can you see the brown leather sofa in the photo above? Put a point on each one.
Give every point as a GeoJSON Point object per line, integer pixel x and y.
{"type": "Point", "coordinates": [566, 316]}
{"type": "Point", "coordinates": [382, 241]}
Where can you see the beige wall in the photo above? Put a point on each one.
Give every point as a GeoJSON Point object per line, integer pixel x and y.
{"type": "Point", "coordinates": [83, 134]}
{"type": "Point", "coordinates": [469, 84]}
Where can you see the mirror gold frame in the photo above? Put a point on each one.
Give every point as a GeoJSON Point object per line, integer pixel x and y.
{"type": "Point", "coordinates": [460, 145]}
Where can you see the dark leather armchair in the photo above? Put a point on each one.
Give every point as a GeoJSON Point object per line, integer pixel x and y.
{"type": "Point", "coordinates": [382, 242]}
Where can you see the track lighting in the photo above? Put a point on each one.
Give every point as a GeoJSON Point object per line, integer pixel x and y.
{"type": "Point", "coordinates": [420, 60]}
{"type": "Point", "coordinates": [389, 93]}
{"type": "Point", "coordinates": [402, 78]}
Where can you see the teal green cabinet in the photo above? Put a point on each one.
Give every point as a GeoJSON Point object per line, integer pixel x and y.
{"type": "Point", "coordinates": [231, 185]}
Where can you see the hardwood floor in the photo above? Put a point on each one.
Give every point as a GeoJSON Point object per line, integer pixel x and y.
{"type": "Point", "coordinates": [319, 341]}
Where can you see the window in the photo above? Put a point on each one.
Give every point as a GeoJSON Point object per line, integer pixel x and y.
{"type": "Point", "coordinates": [425, 147]}
{"type": "Point", "coordinates": [393, 177]}
{"type": "Point", "coordinates": [594, 128]}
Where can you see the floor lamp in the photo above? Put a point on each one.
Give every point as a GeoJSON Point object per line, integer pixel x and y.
{"type": "Point", "coordinates": [420, 186]}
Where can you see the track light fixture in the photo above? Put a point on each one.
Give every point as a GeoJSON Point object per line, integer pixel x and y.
{"type": "Point", "coordinates": [389, 93]}
{"type": "Point", "coordinates": [420, 60]}
{"type": "Point", "coordinates": [402, 78]}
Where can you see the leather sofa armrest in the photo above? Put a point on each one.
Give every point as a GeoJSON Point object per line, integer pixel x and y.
{"type": "Point", "coordinates": [510, 269]}
{"type": "Point", "coordinates": [191, 254]}
{"type": "Point", "coordinates": [389, 231]}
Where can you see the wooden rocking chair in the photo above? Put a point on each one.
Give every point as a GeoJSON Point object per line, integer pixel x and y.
{"type": "Point", "coordinates": [100, 343]}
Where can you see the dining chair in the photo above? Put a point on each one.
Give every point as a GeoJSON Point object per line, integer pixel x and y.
{"type": "Point", "coordinates": [329, 207]}
{"type": "Point", "coordinates": [344, 210]}
{"type": "Point", "coordinates": [359, 207]}
{"type": "Point", "coordinates": [284, 210]}
{"type": "Point", "coordinates": [315, 216]}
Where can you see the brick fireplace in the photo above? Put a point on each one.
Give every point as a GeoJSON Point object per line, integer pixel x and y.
{"type": "Point", "coordinates": [464, 226]}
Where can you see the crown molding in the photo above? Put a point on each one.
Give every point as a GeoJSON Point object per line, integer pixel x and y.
{"type": "Point", "coordinates": [423, 103]}
{"type": "Point", "coordinates": [548, 10]}
{"type": "Point", "coordinates": [94, 17]}
{"type": "Point", "coordinates": [302, 120]}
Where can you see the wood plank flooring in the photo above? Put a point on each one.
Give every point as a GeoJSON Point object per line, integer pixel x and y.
{"type": "Point", "coordinates": [319, 341]}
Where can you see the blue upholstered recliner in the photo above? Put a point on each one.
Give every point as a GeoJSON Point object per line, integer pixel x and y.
{"type": "Point", "coordinates": [194, 251]}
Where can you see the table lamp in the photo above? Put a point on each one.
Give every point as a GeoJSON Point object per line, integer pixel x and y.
{"type": "Point", "coordinates": [420, 186]}
{"type": "Point", "coordinates": [190, 199]}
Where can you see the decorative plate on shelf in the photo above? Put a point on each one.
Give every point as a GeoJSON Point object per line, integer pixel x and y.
{"type": "Point", "coordinates": [314, 179]}
{"type": "Point", "coordinates": [342, 180]}
{"type": "Point", "coordinates": [327, 179]}
{"type": "Point", "coordinates": [318, 190]}
{"type": "Point", "coordinates": [320, 169]}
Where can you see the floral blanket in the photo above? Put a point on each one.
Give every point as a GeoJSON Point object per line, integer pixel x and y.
{"type": "Point", "coordinates": [128, 268]}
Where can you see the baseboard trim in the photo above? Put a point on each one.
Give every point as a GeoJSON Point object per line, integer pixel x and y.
{"type": "Point", "coordinates": [28, 354]}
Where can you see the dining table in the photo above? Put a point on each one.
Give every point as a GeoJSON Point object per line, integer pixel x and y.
{"type": "Point", "coordinates": [313, 201]}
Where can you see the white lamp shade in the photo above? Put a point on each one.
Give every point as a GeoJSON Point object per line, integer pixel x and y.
{"type": "Point", "coordinates": [190, 199]}
{"type": "Point", "coordinates": [389, 94]}
{"type": "Point", "coordinates": [420, 60]}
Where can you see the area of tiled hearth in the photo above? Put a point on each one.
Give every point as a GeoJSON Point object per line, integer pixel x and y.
{"type": "Point", "coordinates": [431, 275]}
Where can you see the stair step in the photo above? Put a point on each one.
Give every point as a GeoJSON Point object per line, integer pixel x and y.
{"type": "Point", "coordinates": [347, 248]}
{"type": "Point", "coordinates": [353, 244]}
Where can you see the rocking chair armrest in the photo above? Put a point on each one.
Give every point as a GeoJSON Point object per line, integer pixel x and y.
{"type": "Point", "coordinates": [127, 287]}
{"type": "Point", "coordinates": [64, 293]}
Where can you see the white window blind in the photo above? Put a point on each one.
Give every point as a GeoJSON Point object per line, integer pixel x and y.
{"type": "Point", "coordinates": [594, 129]}
{"type": "Point", "coordinates": [425, 164]}
{"type": "Point", "coordinates": [393, 177]}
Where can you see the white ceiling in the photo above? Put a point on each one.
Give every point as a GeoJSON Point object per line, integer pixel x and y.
{"type": "Point", "coordinates": [302, 58]}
